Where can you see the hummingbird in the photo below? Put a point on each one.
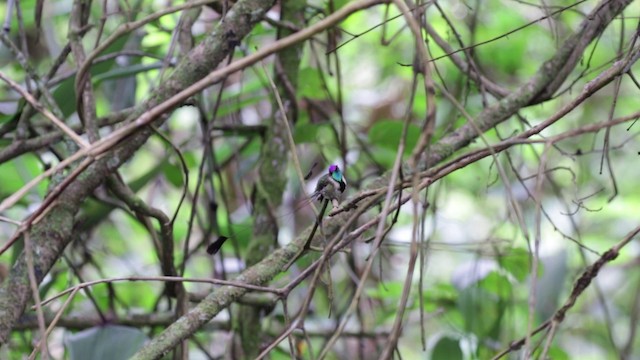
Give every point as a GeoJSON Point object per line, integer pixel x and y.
{"type": "Point", "coordinates": [331, 186]}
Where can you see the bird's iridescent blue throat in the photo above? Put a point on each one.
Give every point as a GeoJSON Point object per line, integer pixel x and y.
{"type": "Point", "coordinates": [337, 175]}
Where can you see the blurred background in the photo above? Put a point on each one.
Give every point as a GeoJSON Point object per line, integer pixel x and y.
{"type": "Point", "coordinates": [500, 241]}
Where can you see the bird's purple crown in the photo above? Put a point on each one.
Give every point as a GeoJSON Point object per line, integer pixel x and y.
{"type": "Point", "coordinates": [333, 168]}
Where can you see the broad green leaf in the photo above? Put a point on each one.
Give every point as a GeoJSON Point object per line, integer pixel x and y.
{"type": "Point", "coordinates": [191, 159]}
{"type": "Point", "coordinates": [447, 348]}
{"type": "Point", "coordinates": [310, 84]}
{"type": "Point", "coordinates": [339, 3]}
{"type": "Point", "coordinates": [497, 284]}
{"type": "Point", "coordinates": [557, 353]}
{"type": "Point", "coordinates": [253, 147]}
{"type": "Point", "coordinates": [5, 119]}
{"type": "Point", "coordinates": [482, 311]}
{"type": "Point", "coordinates": [383, 156]}
{"type": "Point", "coordinates": [387, 134]}
{"type": "Point", "coordinates": [306, 132]}
{"type": "Point", "coordinates": [516, 262]}
{"type": "Point", "coordinates": [173, 173]}
{"type": "Point", "coordinates": [16, 173]}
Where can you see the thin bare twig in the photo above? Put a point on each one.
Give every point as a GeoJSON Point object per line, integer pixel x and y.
{"type": "Point", "coordinates": [163, 278]}
{"type": "Point", "coordinates": [48, 114]}
{"type": "Point", "coordinates": [581, 284]}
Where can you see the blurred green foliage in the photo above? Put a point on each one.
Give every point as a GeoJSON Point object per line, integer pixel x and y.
{"type": "Point", "coordinates": [476, 214]}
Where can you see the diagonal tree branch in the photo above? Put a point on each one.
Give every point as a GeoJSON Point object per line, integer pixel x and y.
{"type": "Point", "coordinates": [267, 269]}
{"type": "Point", "coordinates": [545, 81]}
{"type": "Point", "coordinates": [52, 233]}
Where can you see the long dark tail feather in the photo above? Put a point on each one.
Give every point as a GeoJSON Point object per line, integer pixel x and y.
{"type": "Point", "coordinates": [215, 247]}
{"type": "Point", "coordinates": [315, 196]}
{"type": "Point", "coordinates": [307, 243]}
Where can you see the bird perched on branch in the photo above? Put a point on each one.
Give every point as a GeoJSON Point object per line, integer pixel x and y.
{"type": "Point", "coordinates": [331, 186]}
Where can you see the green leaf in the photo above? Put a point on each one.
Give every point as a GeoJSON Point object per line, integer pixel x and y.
{"type": "Point", "coordinates": [387, 134]}
{"type": "Point", "coordinates": [111, 342]}
{"type": "Point", "coordinates": [310, 84]}
{"type": "Point", "coordinates": [339, 3]}
{"type": "Point", "coordinates": [5, 119]}
{"type": "Point", "coordinates": [482, 311]}
{"type": "Point", "coordinates": [306, 132]}
{"type": "Point", "coordinates": [447, 348]}
{"type": "Point", "coordinates": [557, 353]}
{"type": "Point", "coordinates": [383, 156]}
{"type": "Point", "coordinates": [173, 173]}
{"type": "Point", "coordinates": [17, 172]}
{"type": "Point", "coordinates": [498, 284]}
{"type": "Point", "coordinates": [516, 263]}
